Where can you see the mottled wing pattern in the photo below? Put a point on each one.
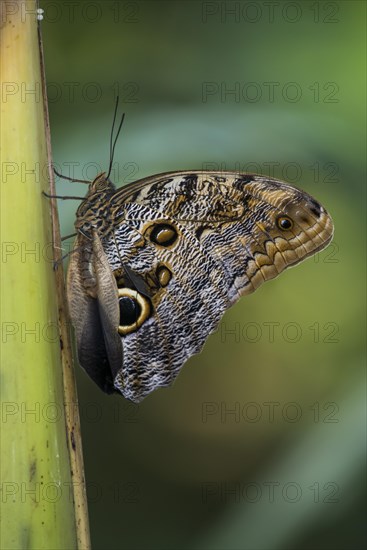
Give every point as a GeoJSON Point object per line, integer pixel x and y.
{"type": "Point", "coordinates": [187, 246]}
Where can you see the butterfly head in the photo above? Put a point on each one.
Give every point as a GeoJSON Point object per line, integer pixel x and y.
{"type": "Point", "coordinates": [101, 185]}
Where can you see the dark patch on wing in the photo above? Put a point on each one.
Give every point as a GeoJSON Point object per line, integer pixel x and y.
{"type": "Point", "coordinates": [190, 180]}
{"type": "Point", "coordinates": [315, 208]}
{"type": "Point", "coordinates": [188, 186]}
{"type": "Point", "coordinates": [158, 185]}
{"type": "Point", "coordinates": [134, 196]}
{"type": "Point", "coordinates": [241, 181]}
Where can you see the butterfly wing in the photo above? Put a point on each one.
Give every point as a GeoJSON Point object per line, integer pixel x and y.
{"type": "Point", "coordinates": [94, 311]}
{"type": "Point", "coordinates": [184, 248]}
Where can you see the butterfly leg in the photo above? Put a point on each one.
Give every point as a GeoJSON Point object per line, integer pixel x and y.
{"type": "Point", "coordinates": [65, 197]}
{"type": "Point", "coordinates": [69, 179]}
{"type": "Point", "coordinates": [68, 236]}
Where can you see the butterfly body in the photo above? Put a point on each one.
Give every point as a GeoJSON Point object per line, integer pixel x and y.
{"type": "Point", "coordinates": [158, 262]}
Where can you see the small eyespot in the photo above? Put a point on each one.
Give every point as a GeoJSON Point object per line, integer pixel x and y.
{"type": "Point", "coordinates": [164, 275]}
{"type": "Point", "coordinates": [285, 223]}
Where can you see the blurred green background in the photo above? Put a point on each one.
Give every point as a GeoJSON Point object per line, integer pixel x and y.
{"type": "Point", "coordinates": [260, 443]}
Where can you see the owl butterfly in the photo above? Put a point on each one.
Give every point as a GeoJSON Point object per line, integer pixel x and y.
{"type": "Point", "coordinates": [157, 263]}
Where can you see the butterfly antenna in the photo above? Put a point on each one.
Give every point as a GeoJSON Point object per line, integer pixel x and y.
{"type": "Point", "coordinates": [114, 141]}
{"type": "Point", "coordinates": [113, 124]}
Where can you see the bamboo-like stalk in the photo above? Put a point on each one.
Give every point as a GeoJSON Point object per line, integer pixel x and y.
{"type": "Point", "coordinates": [43, 500]}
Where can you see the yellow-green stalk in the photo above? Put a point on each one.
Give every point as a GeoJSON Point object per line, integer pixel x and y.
{"type": "Point", "coordinates": [42, 484]}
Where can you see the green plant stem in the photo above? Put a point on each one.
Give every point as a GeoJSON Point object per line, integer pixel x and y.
{"type": "Point", "coordinates": [43, 491]}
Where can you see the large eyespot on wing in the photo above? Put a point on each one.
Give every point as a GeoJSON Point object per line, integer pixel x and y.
{"type": "Point", "coordinates": [135, 308]}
